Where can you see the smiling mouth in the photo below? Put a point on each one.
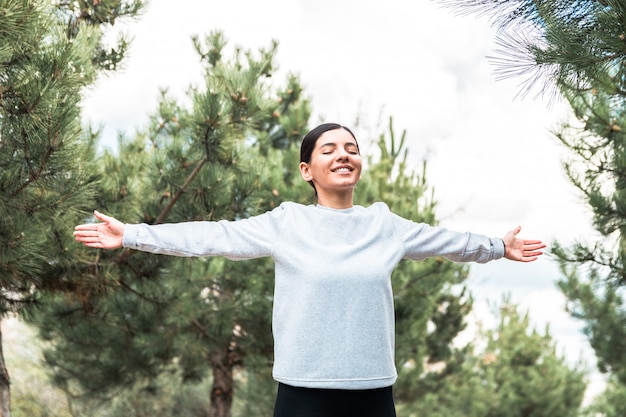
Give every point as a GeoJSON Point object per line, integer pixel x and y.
{"type": "Point", "coordinates": [342, 169]}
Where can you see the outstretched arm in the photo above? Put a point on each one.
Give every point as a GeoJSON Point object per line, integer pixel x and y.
{"type": "Point", "coordinates": [105, 235]}
{"type": "Point", "coordinates": [522, 250]}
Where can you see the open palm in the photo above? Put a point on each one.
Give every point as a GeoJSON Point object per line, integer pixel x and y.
{"type": "Point", "coordinates": [105, 235]}
{"type": "Point", "coordinates": [522, 250]}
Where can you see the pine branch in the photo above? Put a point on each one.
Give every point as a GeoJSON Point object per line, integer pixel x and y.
{"type": "Point", "coordinates": [141, 295]}
{"type": "Point", "coordinates": [163, 215]}
{"type": "Point", "coordinates": [181, 190]}
{"type": "Point", "coordinates": [35, 173]}
{"type": "Point", "coordinates": [202, 330]}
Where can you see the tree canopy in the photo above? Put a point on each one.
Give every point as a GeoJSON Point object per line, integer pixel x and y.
{"type": "Point", "coordinates": [577, 49]}
{"type": "Point", "coordinates": [49, 52]}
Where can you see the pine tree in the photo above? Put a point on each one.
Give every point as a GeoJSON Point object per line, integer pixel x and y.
{"type": "Point", "coordinates": [512, 370]}
{"type": "Point", "coordinates": [578, 50]}
{"type": "Point", "coordinates": [48, 54]}
{"type": "Point", "coordinates": [610, 403]}
{"type": "Point", "coordinates": [152, 314]}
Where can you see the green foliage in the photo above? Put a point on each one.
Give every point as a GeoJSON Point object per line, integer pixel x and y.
{"type": "Point", "coordinates": [510, 371]}
{"type": "Point", "coordinates": [256, 392]}
{"type": "Point", "coordinates": [46, 177]}
{"type": "Point", "coordinates": [32, 394]}
{"type": "Point", "coordinates": [579, 48]}
{"type": "Point", "coordinates": [42, 182]}
{"type": "Point", "coordinates": [610, 403]}
{"type": "Point", "coordinates": [601, 306]}
{"type": "Point", "coordinates": [149, 316]}
{"type": "Point", "coordinates": [559, 46]}
{"type": "Point", "coordinates": [103, 14]}
{"type": "Point", "coordinates": [165, 398]}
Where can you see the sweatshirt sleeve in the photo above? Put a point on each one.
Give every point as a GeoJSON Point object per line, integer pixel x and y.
{"type": "Point", "coordinates": [422, 241]}
{"type": "Point", "coordinates": [236, 240]}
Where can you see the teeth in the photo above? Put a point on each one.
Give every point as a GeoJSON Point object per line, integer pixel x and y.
{"type": "Point", "coordinates": [342, 170]}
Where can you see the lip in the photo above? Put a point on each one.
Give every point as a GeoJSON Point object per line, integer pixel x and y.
{"type": "Point", "coordinates": [348, 167]}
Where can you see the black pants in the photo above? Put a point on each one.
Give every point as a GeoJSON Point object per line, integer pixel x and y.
{"type": "Point", "coordinates": [314, 402]}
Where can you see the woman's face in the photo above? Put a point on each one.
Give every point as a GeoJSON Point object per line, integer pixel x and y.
{"type": "Point", "coordinates": [335, 163]}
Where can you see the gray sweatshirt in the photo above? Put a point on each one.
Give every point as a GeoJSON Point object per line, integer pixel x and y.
{"type": "Point", "coordinates": [333, 313]}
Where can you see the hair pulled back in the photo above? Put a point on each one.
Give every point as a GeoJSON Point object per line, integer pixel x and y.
{"type": "Point", "coordinates": [310, 139]}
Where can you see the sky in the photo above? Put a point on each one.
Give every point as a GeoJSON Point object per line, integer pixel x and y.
{"type": "Point", "coordinates": [492, 159]}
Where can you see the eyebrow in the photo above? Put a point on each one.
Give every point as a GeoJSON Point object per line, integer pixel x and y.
{"type": "Point", "coordinates": [334, 144]}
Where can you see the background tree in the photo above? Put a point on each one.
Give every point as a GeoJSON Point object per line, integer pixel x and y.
{"type": "Point", "coordinates": [48, 53]}
{"type": "Point", "coordinates": [609, 403]}
{"type": "Point", "coordinates": [153, 315]}
{"type": "Point", "coordinates": [578, 49]}
{"type": "Point", "coordinates": [512, 370]}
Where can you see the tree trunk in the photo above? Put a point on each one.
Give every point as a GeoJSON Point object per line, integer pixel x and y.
{"type": "Point", "coordinates": [222, 390]}
{"type": "Point", "coordinates": [5, 383]}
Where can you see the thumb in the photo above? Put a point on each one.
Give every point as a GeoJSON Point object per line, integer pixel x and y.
{"type": "Point", "coordinates": [511, 234]}
{"type": "Point", "coordinates": [102, 217]}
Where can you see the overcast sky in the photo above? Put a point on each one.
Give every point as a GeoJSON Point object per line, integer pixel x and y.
{"type": "Point", "coordinates": [491, 157]}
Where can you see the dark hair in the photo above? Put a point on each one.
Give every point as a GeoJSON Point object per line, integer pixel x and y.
{"type": "Point", "coordinates": [310, 139]}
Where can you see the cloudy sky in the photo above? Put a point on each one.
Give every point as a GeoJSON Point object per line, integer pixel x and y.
{"type": "Point", "coordinates": [491, 157]}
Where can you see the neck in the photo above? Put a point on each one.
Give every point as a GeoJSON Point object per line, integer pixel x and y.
{"type": "Point", "coordinates": [335, 201]}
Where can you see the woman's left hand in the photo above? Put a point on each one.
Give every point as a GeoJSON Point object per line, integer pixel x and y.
{"type": "Point", "coordinates": [522, 250]}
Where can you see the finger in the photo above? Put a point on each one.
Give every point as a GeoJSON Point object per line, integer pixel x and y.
{"type": "Point", "coordinates": [529, 259]}
{"type": "Point", "coordinates": [86, 235]}
{"type": "Point", "coordinates": [88, 239]}
{"type": "Point", "coordinates": [102, 217]}
{"type": "Point", "coordinates": [87, 226]}
{"type": "Point", "coordinates": [97, 245]}
{"type": "Point", "coordinates": [534, 247]}
{"type": "Point", "coordinates": [533, 242]}
{"type": "Point", "coordinates": [86, 232]}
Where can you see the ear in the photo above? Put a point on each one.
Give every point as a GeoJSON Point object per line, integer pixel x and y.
{"type": "Point", "coordinates": [305, 171]}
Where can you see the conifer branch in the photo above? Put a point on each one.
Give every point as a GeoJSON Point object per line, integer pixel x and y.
{"type": "Point", "coordinates": [202, 330]}
{"type": "Point", "coordinates": [35, 173]}
{"type": "Point", "coordinates": [181, 190]}
{"type": "Point", "coordinates": [173, 201]}
{"type": "Point", "coordinates": [141, 295]}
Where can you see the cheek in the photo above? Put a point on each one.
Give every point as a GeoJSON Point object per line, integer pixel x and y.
{"type": "Point", "coordinates": [358, 164]}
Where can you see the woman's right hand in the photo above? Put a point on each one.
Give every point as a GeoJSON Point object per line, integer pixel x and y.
{"type": "Point", "coordinates": [522, 250]}
{"type": "Point", "coordinates": [105, 235]}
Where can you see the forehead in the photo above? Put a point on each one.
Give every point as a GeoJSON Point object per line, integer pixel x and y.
{"type": "Point", "coordinates": [337, 137]}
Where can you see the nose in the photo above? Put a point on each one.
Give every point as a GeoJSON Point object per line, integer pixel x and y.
{"type": "Point", "coordinates": [343, 155]}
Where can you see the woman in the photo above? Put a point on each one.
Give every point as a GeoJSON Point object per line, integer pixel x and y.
{"type": "Point", "coordinates": [333, 317]}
